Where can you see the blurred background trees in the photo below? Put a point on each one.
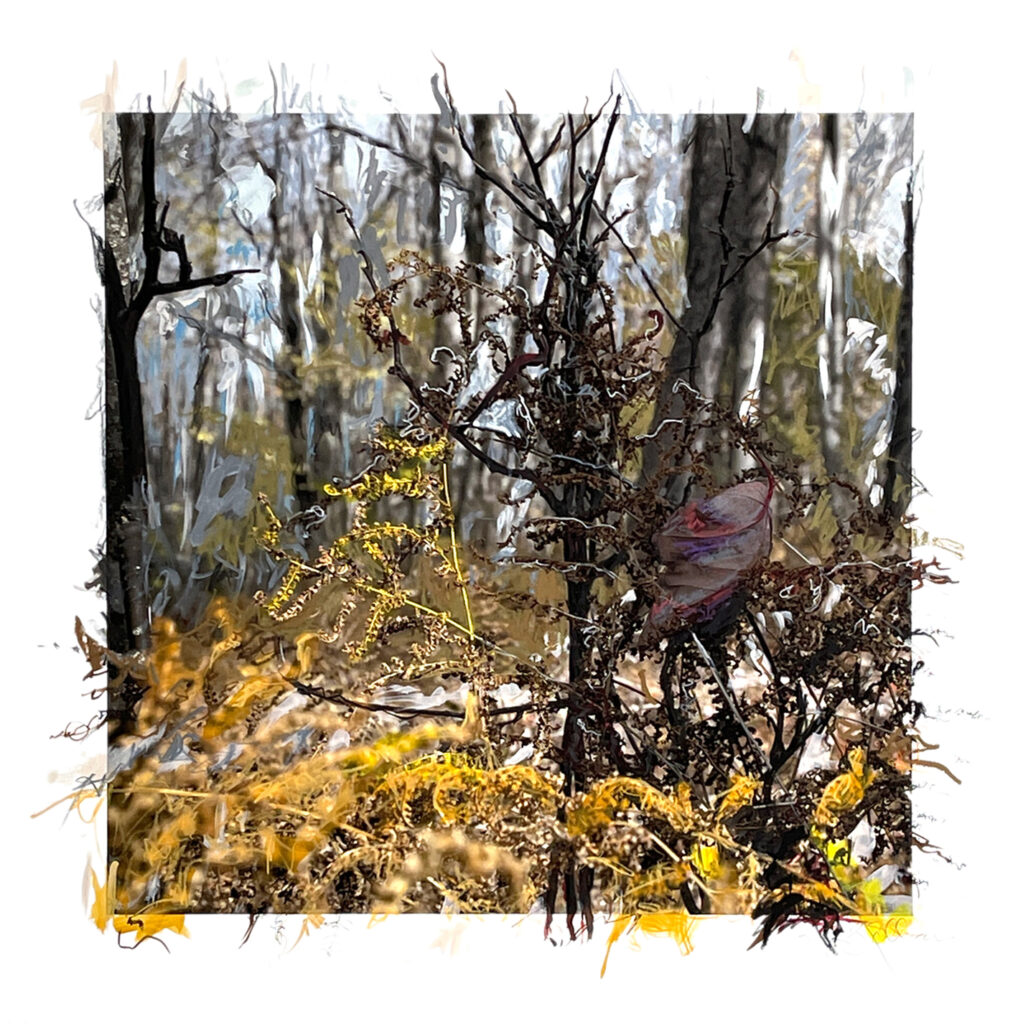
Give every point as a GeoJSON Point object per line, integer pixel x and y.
{"type": "Point", "coordinates": [264, 382]}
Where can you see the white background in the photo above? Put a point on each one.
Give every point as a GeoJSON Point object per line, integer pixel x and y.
{"type": "Point", "coordinates": [955, 960]}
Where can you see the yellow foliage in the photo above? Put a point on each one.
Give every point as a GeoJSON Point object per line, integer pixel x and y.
{"type": "Point", "coordinates": [310, 921]}
{"type": "Point", "coordinates": [740, 794]}
{"type": "Point", "coordinates": [820, 892]}
{"type": "Point", "coordinates": [307, 648]}
{"type": "Point", "coordinates": [606, 799]}
{"type": "Point", "coordinates": [369, 558]}
{"type": "Point", "coordinates": [706, 858]}
{"type": "Point", "coordinates": [461, 792]}
{"type": "Point", "coordinates": [390, 440]}
{"type": "Point", "coordinates": [239, 703]}
{"type": "Point", "coordinates": [846, 790]}
{"type": "Point", "coordinates": [143, 925]}
{"type": "Point", "coordinates": [454, 855]}
{"type": "Point", "coordinates": [77, 799]}
{"type": "Point", "coordinates": [661, 881]}
{"type": "Point", "coordinates": [290, 853]}
{"type": "Point", "coordinates": [394, 747]}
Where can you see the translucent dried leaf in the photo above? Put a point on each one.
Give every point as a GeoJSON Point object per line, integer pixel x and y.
{"type": "Point", "coordinates": [707, 546]}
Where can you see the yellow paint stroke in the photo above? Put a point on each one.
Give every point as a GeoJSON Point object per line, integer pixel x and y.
{"type": "Point", "coordinates": [310, 921]}
{"type": "Point", "coordinates": [145, 926]}
{"type": "Point", "coordinates": [886, 926]}
{"type": "Point", "coordinates": [678, 924]}
{"type": "Point", "coordinates": [77, 798]}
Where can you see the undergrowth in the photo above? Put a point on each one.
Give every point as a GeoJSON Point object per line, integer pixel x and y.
{"type": "Point", "coordinates": [278, 764]}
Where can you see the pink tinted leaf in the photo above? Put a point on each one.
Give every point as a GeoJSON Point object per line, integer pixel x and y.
{"type": "Point", "coordinates": [707, 546]}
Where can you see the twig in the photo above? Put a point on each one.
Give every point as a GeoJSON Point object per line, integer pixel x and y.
{"type": "Point", "coordinates": [730, 700]}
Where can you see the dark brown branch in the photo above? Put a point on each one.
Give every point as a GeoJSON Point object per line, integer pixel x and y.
{"type": "Point", "coordinates": [170, 287]}
{"type": "Point", "coordinates": [538, 193]}
{"type": "Point", "coordinates": [399, 370]}
{"type": "Point", "coordinates": [590, 120]}
{"type": "Point", "coordinates": [446, 177]}
{"type": "Point", "coordinates": [482, 171]}
{"type": "Point", "coordinates": [573, 141]}
{"type": "Point", "coordinates": [586, 200]}
{"type": "Point", "coordinates": [515, 367]}
{"type": "Point", "coordinates": [639, 266]}
{"type": "Point", "coordinates": [156, 238]}
{"type": "Point", "coordinates": [342, 700]}
{"type": "Point", "coordinates": [553, 145]}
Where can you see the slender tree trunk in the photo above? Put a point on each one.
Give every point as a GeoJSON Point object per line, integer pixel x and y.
{"type": "Point", "coordinates": [579, 273]}
{"type": "Point", "coordinates": [436, 241]}
{"type": "Point", "coordinates": [711, 184]}
{"type": "Point", "coordinates": [477, 215]}
{"type": "Point", "coordinates": [325, 436]}
{"type": "Point", "coordinates": [831, 281]}
{"type": "Point", "coordinates": [759, 163]}
{"type": "Point", "coordinates": [126, 457]}
{"type": "Point", "coordinates": [733, 202]}
{"type": "Point", "coordinates": [126, 473]}
{"type": "Point", "coordinates": [897, 488]}
{"type": "Point", "coordinates": [475, 250]}
{"type": "Point", "coordinates": [290, 319]}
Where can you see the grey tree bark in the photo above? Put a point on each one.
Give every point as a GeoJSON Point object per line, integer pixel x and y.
{"type": "Point", "coordinates": [831, 281]}
{"type": "Point", "coordinates": [732, 212]}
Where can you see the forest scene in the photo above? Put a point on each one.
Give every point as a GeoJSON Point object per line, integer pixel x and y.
{"type": "Point", "coordinates": [507, 514]}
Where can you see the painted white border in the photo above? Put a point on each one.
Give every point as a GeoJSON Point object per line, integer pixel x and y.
{"type": "Point", "coordinates": [60, 967]}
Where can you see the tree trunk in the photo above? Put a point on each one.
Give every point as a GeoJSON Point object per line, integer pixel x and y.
{"type": "Point", "coordinates": [290, 320]}
{"type": "Point", "coordinates": [133, 214]}
{"type": "Point", "coordinates": [578, 269]}
{"type": "Point", "coordinates": [898, 485]}
{"type": "Point", "coordinates": [831, 282]}
{"type": "Point", "coordinates": [732, 206]}
{"type": "Point", "coordinates": [758, 163]}
{"type": "Point", "coordinates": [124, 425]}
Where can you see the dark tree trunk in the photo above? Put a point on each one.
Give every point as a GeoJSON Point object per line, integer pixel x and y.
{"type": "Point", "coordinates": [732, 208]}
{"type": "Point", "coordinates": [130, 198]}
{"type": "Point", "coordinates": [758, 164]}
{"type": "Point", "coordinates": [898, 485]}
{"type": "Point", "coordinates": [577, 503]}
{"type": "Point", "coordinates": [290, 320]}
{"type": "Point", "coordinates": [126, 471]}
{"type": "Point", "coordinates": [477, 215]}
{"type": "Point", "coordinates": [128, 173]}
{"type": "Point", "coordinates": [325, 437]}
{"type": "Point", "coordinates": [475, 250]}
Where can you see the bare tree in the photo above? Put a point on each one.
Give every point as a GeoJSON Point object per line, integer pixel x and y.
{"type": "Point", "coordinates": [129, 261]}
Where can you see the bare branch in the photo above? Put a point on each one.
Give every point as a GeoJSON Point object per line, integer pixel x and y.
{"type": "Point", "coordinates": [215, 280]}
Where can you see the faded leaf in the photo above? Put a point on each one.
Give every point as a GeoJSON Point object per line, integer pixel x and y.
{"type": "Point", "coordinates": [706, 547]}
